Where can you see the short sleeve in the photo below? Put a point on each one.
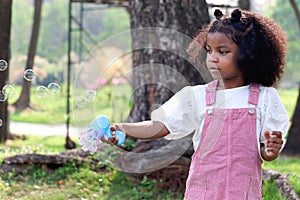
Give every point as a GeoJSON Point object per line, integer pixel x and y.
{"type": "Point", "coordinates": [178, 114]}
{"type": "Point", "coordinates": [275, 116]}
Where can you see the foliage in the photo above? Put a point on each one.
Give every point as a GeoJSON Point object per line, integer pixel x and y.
{"type": "Point", "coordinates": [53, 72]}
{"type": "Point", "coordinates": [101, 21]}
{"type": "Point", "coordinates": [289, 99]}
{"type": "Point", "coordinates": [21, 26]}
{"type": "Point", "coordinates": [115, 21]}
{"type": "Point", "coordinates": [295, 182]}
{"type": "Point", "coordinates": [289, 23]}
{"type": "Point", "coordinates": [53, 35]}
{"type": "Point", "coordinates": [289, 166]}
{"type": "Point", "coordinates": [269, 191]}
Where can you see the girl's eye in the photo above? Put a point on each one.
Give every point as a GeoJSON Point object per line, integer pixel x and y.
{"type": "Point", "coordinates": [223, 52]}
{"type": "Point", "coordinates": [208, 50]}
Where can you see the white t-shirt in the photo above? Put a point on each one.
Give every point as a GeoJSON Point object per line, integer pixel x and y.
{"type": "Point", "coordinates": [184, 113]}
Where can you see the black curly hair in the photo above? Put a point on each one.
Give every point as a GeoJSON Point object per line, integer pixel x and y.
{"type": "Point", "coordinates": [262, 44]}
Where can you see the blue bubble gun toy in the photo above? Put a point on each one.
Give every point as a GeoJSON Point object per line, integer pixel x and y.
{"type": "Point", "coordinates": [98, 128]}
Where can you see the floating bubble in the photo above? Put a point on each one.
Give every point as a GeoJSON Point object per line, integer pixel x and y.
{"type": "Point", "coordinates": [3, 97]}
{"type": "Point", "coordinates": [29, 75]}
{"type": "Point", "coordinates": [41, 91]}
{"type": "Point", "coordinates": [8, 90]}
{"type": "Point", "coordinates": [81, 101]}
{"type": "Point", "coordinates": [90, 77]}
{"type": "Point", "coordinates": [54, 88]}
{"type": "Point", "coordinates": [3, 65]}
{"type": "Point", "coordinates": [1, 122]}
{"type": "Point", "coordinates": [90, 95]}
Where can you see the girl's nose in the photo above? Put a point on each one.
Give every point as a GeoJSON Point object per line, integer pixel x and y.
{"type": "Point", "coordinates": [212, 57]}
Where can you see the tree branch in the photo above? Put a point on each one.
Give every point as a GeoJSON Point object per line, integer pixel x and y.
{"type": "Point", "coordinates": [296, 11]}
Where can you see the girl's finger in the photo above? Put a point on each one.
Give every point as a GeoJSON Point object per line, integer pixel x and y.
{"type": "Point", "coordinates": [278, 134]}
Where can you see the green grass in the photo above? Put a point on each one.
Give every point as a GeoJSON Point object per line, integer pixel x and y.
{"type": "Point", "coordinates": [269, 191]}
{"type": "Point", "coordinates": [289, 166]}
{"type": "Point", "coordinates": [48, 110]}
{"type": "Point", "coordinates": [284, 165]}
{"type": "Point", "coordinates": [289, 99]}
{"type": "Point", "coordinates": [129, 188]}
{"type": "Point", "coordinates": [66, 182]}
{"type": "Point", "coordinates": [111, 100]}
{"type": "Point", "coordinates": [295, 182]}
{"type": "Point", "coordinates": [69, 182]}
{"type": "Point", "coordinates": [33, 144]}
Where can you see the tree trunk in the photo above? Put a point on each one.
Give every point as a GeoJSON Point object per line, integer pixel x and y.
{"type": "Point", "coordinates": [160, 67]}
{"type": "Point", "coordinates": [293, 141]}
{"type": "Point", "coordinates": [244, 4]}
{"type": "Point", "coordinates": [5, 24]}
{"type": "Point", "coordinates": [161, 33]}
{"type": "Point", "coordinates": [24, 99]}
{"type": "Point", "coordinates": [21, 162]}
{"type": "Point", "coordinates": [296, 11]}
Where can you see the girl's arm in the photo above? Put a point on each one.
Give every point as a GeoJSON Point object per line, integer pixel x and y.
{"type": "Point", "coordinates": [140, 130]}
{"type": "Point", "coordinates": [276, 118]}
{"type": "Point", "coordinates": [271, 148]}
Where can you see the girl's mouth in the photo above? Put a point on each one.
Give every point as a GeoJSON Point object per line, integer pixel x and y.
{"type": "Point", "coordinates": [213, 69]}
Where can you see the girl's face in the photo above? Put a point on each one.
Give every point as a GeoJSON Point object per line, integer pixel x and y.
{"type": "Point", "coordinates": [221, 60]}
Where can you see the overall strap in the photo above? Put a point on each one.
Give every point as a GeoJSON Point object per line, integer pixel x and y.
{"type": "Point", "coordinates": [254, 94]}
{"type": "Point", "coordinates": [211, 92]}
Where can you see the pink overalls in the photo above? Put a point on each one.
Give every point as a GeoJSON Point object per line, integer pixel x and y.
{"type": "Point", "coordinates": [226, 164]}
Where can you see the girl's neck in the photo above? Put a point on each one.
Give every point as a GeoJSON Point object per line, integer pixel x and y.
{"type": "Point", "coordinates": [229, 84]}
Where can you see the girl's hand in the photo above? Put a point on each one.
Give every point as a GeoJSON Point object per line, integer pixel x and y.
{"type": "Point", "coordinates": [273, 144]}
{"type": "Point", "coordinates": [114, 139]}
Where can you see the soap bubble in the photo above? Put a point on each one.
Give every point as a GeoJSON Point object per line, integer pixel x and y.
{"type": "Point", "coordinates": [89, 140]}
{"type": "Point", "coordinates": [3, 65]}
{"type": "Point", "coordinates": [54, 88]}
{"type": "Point", "coordinates": [3, 97]}
{"type": "Point", "coordinates": [88, 77]}
{"type": "Point", "coordinates": [8, 90]}
{"type": "Point", "coordinates": [41, 91]}
{"type": "Point", "coordinates": [29, 75]}
{"type": "Point", "coordinates": [81, 101]}
{"type": "Point", "coordinates": [90, 95]}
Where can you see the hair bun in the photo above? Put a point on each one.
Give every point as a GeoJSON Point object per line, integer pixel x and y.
{"type": "Point", "coordinates": [218, 14]}
{"type": "Point", "coordinates": [236, 15]}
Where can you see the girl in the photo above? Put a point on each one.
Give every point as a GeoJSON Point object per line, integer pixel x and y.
{"type": "Point", "coordinates": [238, 118]}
